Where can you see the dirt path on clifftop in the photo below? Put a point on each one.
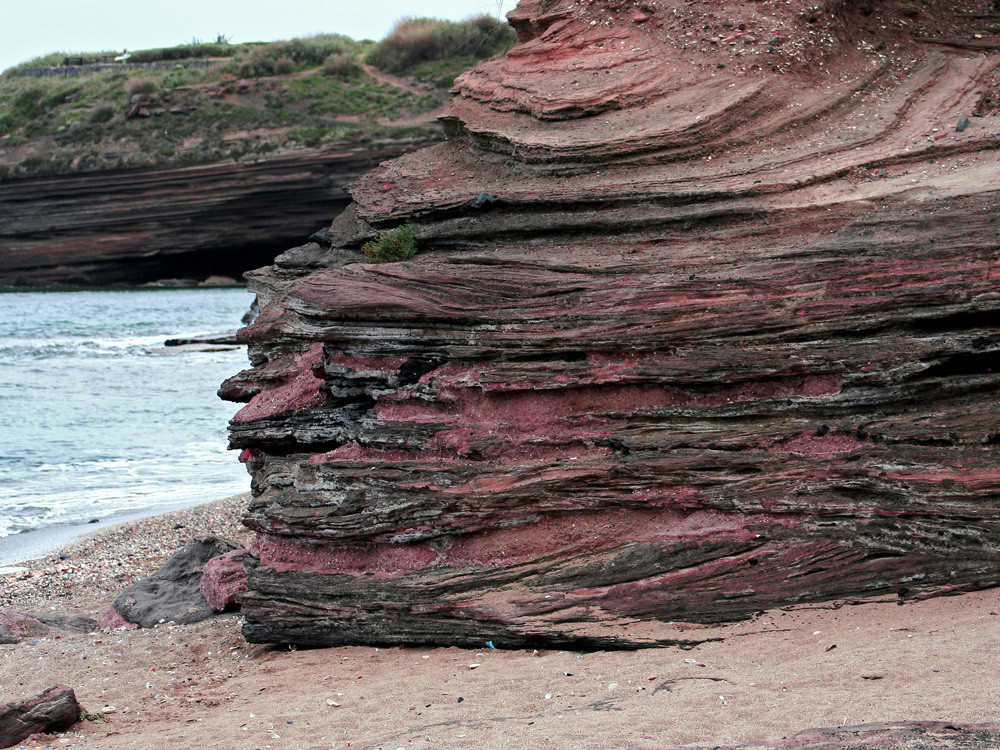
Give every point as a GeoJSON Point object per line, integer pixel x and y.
{"type": "Point", "coordinates": [392, 80]}
{"type": "Point", "coordinates": [426, 118]}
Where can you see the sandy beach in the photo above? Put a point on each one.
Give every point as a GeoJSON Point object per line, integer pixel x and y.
{"type": "Point", "coordinates": [754, 682]}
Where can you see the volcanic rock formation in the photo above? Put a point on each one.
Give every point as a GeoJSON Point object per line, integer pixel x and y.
{"type": "Point", "coordinates": [705, 320]}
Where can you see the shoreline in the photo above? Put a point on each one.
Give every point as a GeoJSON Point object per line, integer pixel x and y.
{"type": "Point", "coordinates": [97, 561]}
{"type": "Point", "coordinates": [36, 544]}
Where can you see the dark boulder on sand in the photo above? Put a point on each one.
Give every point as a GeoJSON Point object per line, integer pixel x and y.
{"type": "Point", "coordinates": [173, 593]}
{"type": "Point", "coordinates": [55, 710]}
{"type": "Point", "coordinates": [16, 626]}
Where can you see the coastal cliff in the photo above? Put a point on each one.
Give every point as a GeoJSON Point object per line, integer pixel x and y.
{"type": "Point", "coordinates": [140, 225]}
{"type": "Point", "coordinates": [209, 159]}
{"type": "Point", "coordinates": [705, 320]}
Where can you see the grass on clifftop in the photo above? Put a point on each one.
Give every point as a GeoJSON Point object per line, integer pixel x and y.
{"type": "Point", "coordinates": [439, 51]}
{"type": "Point", "coordinates": [198, 103]}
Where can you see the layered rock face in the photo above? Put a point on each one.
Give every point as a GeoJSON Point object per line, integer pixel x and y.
{"type": "Point", "coordinates": [705, 320]}
{"type": "Point", "coordinates": [136, 226]}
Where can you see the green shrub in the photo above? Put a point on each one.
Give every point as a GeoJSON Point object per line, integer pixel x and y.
{"type": "Point", "coordinates": [283, 66]}
{"type": "Point", "coordinates": [420, 40]}
{"type": "Point", "coordinates": [60, 97]}
{"type": "Point", "coordinates": [27, 104]}
{"type": "Point", "coordinates": [141, 86]}
{"type": "Point", "coordinates": [181, 52]}
{"type": "Point", "coordinates": [101, 114]}
{"type": "Point", "coordinates": [305, 52]}
{"type": "Point", "coordinates": [341, 65]}
{"type": "Point", "coordinates": [399, 243]}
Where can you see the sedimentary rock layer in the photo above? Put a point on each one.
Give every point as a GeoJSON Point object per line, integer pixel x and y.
{"type": "Point", "coordinates": [705, 320]}
{"type": "Point", "coordinates": [900, 735]}
{"type": "Point", "coordinates": [138, 226]}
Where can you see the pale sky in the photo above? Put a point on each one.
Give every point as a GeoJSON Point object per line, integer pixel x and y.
{"type": "Point", "coordinates": [30, 28]}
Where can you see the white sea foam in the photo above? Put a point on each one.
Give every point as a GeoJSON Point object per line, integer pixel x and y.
{"type": "Point", "coordinates": [92, 425]}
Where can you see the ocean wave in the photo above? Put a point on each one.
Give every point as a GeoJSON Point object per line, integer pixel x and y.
{"type": "Point", "coordinates": [91, 424]}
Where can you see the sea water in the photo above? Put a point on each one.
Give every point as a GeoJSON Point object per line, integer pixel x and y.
{"type": "Point", "coordinates": [99, 419]}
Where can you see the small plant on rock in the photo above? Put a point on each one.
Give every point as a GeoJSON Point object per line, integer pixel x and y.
{"type": "Point", "coordinates": [341, 66]}
{"type": "Point", "coordinates": [399, 243]}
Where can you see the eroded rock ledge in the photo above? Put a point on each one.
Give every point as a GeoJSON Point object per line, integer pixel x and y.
{"type": "Point", "coordinates": [706, 320]}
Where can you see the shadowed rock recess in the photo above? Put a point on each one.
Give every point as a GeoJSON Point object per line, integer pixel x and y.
{"type": "Point", "coordinates": [705, 320]}
{"type": "Point", "coordinates": [140, 225]}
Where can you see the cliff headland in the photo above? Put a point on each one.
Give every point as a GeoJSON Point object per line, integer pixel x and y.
{"type": "Point", "coordinates": [686, 336]}
{"type": "Point", "coordinates": [703, 321]}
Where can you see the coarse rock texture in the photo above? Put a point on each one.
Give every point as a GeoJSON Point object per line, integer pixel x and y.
{"type": "Point", "coordinates": [705, 320]}
{"type": "Point", "coordinates": [191, 222]}
{"type": "Point", "coordinates": [223, 580]}
{"type": "Point", "coordinates": [15, 625]}
{"type": "Point", "coordinates": [53, 711]}
{"type": "Point", "coordinates": [172, 593]}
{"type": "Point", "coordinates": [912, 735]}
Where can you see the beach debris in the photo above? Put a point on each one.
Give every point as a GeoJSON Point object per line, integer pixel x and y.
{"type": "Point", "coordinates": [473, 666]}
{"type": "Point", "coordinates": [831, 647]}
{"type": "Point", "coordinates": [490, 645]}
{"type": "Point", "coordinates": [872, 676]}
{"type": "Point", "coordinates": [54, 710]}
{"type": "Point", "coordinates": [173, 592]}
{"type": "Point", "coordinates": [223, 579]}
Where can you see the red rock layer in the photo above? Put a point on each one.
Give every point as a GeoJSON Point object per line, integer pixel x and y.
{"type": "Point", "coordinates": [704, 321]}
